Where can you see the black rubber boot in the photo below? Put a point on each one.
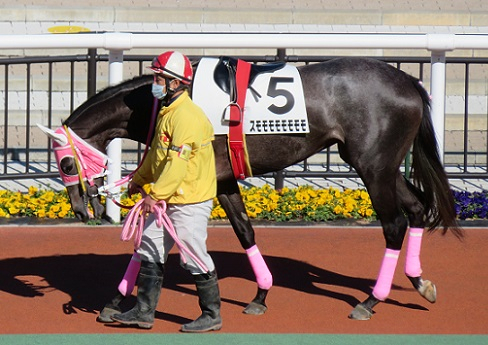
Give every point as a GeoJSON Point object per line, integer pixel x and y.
{"type": "Point", "coordinates": [209, 301]}
{"type": "Point", "coordinates": [149, 285]}
{"type": "Point", "coordinates": [111, 309]}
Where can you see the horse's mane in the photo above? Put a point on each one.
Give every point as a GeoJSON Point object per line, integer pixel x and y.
{"type": "Point", "coordinates": [107, 93]}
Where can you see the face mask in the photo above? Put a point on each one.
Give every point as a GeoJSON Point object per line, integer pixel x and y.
{"type": "Point", "coordinates": [157, 91]}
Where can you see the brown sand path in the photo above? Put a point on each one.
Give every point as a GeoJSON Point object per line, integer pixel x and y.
{"type": "Point", "coordinates": [56, 279]}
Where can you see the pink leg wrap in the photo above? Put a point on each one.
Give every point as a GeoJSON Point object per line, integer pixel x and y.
{"type": "Point", "coordinates": [128, 282]}
{"type": "Point", "coordinates": [385, 278]}
{"type": "Point", "coordinates": [412, 262]}
{"type": "Point", "coordinates": [263, 275]}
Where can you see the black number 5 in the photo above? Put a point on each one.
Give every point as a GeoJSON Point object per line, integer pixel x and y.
{"type": "Point", "coordinates": [274, 91]}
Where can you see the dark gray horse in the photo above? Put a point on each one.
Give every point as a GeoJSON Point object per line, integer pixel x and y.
{"type": "Point", "coordinates": [374, 112]}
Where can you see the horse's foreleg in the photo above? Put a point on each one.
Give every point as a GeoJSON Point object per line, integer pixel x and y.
{"type": "Point", "coordinates": [231, 201]}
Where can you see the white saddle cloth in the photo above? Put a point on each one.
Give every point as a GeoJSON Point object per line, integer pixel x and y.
{"type": "Point", "coordinates": [277, 107]}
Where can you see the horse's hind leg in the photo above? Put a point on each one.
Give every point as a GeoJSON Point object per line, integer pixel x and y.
{"type": "Point", "coordinates": [381, 188]}
{"type": "Point", "coordinates": [409, 199]}
{"type": "Point", "coordinates": [230, 198]}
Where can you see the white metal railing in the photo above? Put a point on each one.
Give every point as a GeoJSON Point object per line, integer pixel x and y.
{"type": "Point", "coordinates": [118, 42]}
{"type": "Point", "coordinates": [128, 41]}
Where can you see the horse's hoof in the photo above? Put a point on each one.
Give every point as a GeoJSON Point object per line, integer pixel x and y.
{"type": "Point", "coordinates": [360, 312]}
{"type": "Point", "coordinates": [428, 291]}
{"type": "Point", "coordinates": [255, 309]}
{"type": "Point", "coordinates": [107, 313]}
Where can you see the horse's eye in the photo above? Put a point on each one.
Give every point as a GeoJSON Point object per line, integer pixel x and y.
{"type": "Point", "coordinates": [68, 166]}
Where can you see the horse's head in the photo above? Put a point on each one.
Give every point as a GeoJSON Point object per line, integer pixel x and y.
{"type": "Point", "coordinates": [82, 168]}
{"type": "Point", "coordinates": [120, 111]}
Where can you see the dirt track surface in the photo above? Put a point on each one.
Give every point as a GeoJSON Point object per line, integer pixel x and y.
{"type": "Point", "coordinates": [57, 279]}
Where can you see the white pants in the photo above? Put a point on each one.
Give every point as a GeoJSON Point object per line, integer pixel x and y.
{"type": "Point", "coordinates": [190, 222]}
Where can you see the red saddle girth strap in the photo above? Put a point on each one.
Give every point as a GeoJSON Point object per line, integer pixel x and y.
{"type": "Point", "coordinates": [237, 145]}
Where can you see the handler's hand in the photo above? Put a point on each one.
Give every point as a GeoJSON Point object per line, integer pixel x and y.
{"type": "Point", "coordinates": [134, 188]}
{"type": "Point", "coordinates": [148, 204]}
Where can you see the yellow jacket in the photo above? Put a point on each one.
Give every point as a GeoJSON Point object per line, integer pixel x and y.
{"type": "Point", "coordinates": [181, 160]}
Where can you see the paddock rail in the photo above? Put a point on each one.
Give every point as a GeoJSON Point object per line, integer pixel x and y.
{"type": "Point", "coordinates": [116, 43]}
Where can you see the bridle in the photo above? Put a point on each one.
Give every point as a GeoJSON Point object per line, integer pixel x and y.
{"type": "Point", "coordinates": [91, 163]}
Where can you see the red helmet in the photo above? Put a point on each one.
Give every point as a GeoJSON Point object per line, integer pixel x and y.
{"type": "Point", "coordinates": [173, 64]}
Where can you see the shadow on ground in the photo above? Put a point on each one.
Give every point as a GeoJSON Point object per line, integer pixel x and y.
{"type": "Point", "coordinates": [91, 279]}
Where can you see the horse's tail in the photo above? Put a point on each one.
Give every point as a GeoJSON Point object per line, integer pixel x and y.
{"type": "Point", "coordinates": [429, 175]}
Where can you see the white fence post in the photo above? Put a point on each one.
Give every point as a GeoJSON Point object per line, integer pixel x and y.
{"type": "Point", "coordinates": [438, 92]}
{"type": "Point", "coordinates": [114, 150]}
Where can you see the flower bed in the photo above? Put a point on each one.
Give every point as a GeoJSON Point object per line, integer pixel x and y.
{"type": "Point", "coordinates": [262, 203]}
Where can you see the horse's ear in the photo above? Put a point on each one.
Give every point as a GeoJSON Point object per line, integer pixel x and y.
{"type": "Point", "coordinates": [59, 138]}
